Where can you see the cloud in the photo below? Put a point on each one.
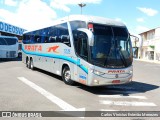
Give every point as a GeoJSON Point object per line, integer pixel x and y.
{"type": "Point", "coordinates": [60, 6]}
{"type": "Point", "coordinates": [73, 2]}
{"type": "Point", "coordinates": [148, 11]}
{"type": "Point", "coordinates": [63, 4]}
{"type": "Point", "coordinates": [33, 14]}
{"type": "Point", "coordinates": [30, 14]}
{"type": "Point", "coordinates": [118, 19]}
{"type": "Point", "coordinates": [11, 2]}
{"type": "Point", "coordinates": [140, 29]}
{"type": "Point", "coordinates": [140, 20]}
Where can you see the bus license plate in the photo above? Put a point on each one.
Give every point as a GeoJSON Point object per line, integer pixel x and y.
{"type": "Point", "coordinates": [116, 81]}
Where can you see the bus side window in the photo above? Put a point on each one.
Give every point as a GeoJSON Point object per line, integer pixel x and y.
{"type": "Point", "coordinates": [37, 39]}
{"type": "Point", "coordinates": [63, 34]}
{"type": "Point", "coordinates": [31, 38]}
{"type": "Point", "coordinates": [24, 39]}
{"type": "Point", "coordinates": [52, 39]}
{"type": "Point", "coordinates": [46, 40]}
{"type": "Point", "coordinates": [81, 45]}
{"type": "Point", "coordinates": [58, 39]}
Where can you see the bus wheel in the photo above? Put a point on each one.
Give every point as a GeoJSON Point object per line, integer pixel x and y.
{"type": "Point", "coordinates": [27, 63]}
{"type": "Point", "coordinates": [66, 76]}
{"type": "Point", "coordinates": [31, 64]}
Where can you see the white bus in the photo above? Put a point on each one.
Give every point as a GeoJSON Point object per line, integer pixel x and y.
{"type": "Point", "coordinates": [90, 50]}
{"type": "Point", "coordinates": [8, 47]}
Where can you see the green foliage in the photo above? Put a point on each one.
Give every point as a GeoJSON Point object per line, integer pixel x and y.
{"type": "Point", "coordinates": [152, 46]}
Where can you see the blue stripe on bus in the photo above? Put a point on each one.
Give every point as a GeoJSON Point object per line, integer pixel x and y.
{"type": "Point", "coordinates": [58, 57]}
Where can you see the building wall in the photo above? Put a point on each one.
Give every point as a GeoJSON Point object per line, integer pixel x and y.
{"type": "Point", "coordinates": [157, 49]}
{"type": "Point", "coordinates": [157, 32]}
{"type": "Point", "coordinates": [151, 44]}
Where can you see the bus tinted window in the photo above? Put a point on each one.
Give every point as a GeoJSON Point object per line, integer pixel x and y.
{"type": "Point", "coordinates": [48, 35]}
{"type": "Point", "coordinates": [58, 33]}
{"type": "Point", "coordinates": [8, 41]}
{"type": "Point", "coordinates": [102, 30]}
{"type": "Point", "coordinates": [120, 31]}
{"type": "Point", "coordinates": [77, 24]}
{"type": "Point", "coordinates": [2, 42]}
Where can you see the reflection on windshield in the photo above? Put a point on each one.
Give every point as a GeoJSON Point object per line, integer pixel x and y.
{"type": "Point", "coordinates": [112, 47]}
{"type": "Point", "coordinates": [101, 49]}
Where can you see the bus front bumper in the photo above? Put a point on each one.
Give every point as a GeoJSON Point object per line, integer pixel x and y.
{"type": "Point", "coordinates": [101, 81]}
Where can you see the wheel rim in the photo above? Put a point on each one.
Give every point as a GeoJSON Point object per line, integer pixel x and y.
{"type": "Point", "coordinates": [67, 75]}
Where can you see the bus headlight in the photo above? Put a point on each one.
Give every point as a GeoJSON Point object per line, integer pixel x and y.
{"type": "Point", "coordinates": [131, 71]}
{"type": "Point", "coordinates": [98, 72]}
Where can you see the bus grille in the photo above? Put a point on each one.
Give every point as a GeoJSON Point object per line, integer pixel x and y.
{"type": "Point", "coordinates": [12, 54]}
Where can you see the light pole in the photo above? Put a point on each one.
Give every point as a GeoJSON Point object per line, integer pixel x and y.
{"type": "Point", "coordinates": [82, 5]}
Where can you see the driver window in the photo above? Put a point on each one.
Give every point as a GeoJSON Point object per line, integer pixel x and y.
{"type": "Point", "coordinates": [81, 46]}
{"type": "Point", "coordinates": [124, 48]}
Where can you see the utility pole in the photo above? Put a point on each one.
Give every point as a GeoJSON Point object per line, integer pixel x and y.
{"type": "Point", "coordinates": [82, 5]}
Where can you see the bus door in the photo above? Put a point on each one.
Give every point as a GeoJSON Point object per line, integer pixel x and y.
{"type": "Point", "coordinates": [81, 48]}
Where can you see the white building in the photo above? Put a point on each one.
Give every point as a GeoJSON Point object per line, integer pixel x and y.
{"type": "Point", "coordinates": [150, 44]}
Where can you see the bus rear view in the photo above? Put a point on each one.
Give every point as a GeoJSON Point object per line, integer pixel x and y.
{"type": "Point", "coordinates": [8, 47]}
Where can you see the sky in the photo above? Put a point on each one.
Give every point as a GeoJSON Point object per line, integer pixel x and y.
{"type": "Point", "coordinates": [138, 15]}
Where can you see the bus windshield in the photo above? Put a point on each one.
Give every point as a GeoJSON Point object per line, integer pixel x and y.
{"type": "Point", "coordinates": [112, 47]}
{"type": "Point", "coordinates": [8, 41]}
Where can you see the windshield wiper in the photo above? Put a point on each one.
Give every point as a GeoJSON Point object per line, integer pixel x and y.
{"type": "Point", "coordinates": [122, 58]}
{"type": "Point", "coordinates": [5, 41]}
{"type": "Point", "coordinates": [106, 60]}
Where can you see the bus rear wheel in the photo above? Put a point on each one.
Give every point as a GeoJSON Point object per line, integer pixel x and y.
{"type": "Point", "coordinates": [27, 63]}
{"type": "Point", "coordinates": [66, 76]}
{"type": "Point", "coordinates": [31, 64]}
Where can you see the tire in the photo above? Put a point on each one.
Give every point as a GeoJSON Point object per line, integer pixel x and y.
{"type": "Point", "coordinates": [66, 76]}
{"type": "Point", "coordinates": [27, 63]}
{"type": "Point", "coordinates": [31, 64]}
{"type": "Point", "coordinates": [19, 55]}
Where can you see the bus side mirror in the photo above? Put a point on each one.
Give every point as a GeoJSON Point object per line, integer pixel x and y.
{"type": "Point", "coordinates": [89, 35]}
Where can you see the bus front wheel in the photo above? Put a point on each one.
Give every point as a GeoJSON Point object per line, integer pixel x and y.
{"type": "Point", "coordinates": [66, 76]}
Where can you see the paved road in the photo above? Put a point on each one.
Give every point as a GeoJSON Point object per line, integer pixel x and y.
{"type": "Point", "coordinates": [22, 89]}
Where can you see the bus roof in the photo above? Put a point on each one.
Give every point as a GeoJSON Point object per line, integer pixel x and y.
{"type": "Point", "coordinates": [96, 19]}
{"type": "Point", "coordinates": [86, 18]}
